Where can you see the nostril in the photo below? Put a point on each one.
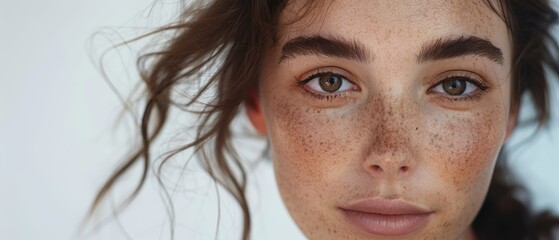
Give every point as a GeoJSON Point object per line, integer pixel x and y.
{"type": "Point", "coordinates": [404, 168]}
{"type": "Point", "coordinates": [376, 168]}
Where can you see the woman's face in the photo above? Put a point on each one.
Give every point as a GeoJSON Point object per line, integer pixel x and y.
{"type": "Point", "coordinates": [386, 117]}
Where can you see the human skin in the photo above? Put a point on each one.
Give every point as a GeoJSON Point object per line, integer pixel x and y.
{"type": "Point", "coordinates": [393, 133]}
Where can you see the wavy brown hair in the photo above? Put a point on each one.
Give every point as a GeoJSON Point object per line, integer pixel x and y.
{"type": "Point", "coordinates": [231, 37]}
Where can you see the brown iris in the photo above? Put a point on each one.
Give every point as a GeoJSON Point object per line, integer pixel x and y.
{"type": "Point", "coordinates": [454, 86]}
{"type": "Point", "coordinates": [330, 83]}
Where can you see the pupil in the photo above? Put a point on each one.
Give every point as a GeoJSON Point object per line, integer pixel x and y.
{"type": "Point", "coordinates": [330, 83]}
{"type": "Point", "coordinates": [455, 86]}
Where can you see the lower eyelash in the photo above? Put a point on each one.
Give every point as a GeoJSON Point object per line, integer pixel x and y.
{"type": "Point", "coordinates": [473, 97]}
{"type": "Point", "coordinates": [480, 84]}
{"type": "Point", "coordinates": [476, 96]}
{"type": "Point", "coordinates": [320, 96]}
{"type": "Point", "coordinates": [327, 97]}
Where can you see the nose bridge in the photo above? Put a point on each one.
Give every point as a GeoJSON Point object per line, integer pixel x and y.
{"type": "Point", "coordinates": [389, 146]}
{"type": "Point", "coordinates": [390, 134]}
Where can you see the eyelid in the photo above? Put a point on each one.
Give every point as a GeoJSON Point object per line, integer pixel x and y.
{"type": "Point", "coordinates": [328, 69]}
{"type": "Point", "coordinates": [342, 96]}
{"type": "Point", "coordinates": [476, 79]}
{"type": "Point", "coordinates": [319, 72]}
{"type": "Point", "coordinates": [481, 85]}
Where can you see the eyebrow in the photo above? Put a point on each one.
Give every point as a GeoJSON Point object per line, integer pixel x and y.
{"type": "Point", "coordinates": [444, 48]}
{"type": "Point", "coordinates": [328, 46]}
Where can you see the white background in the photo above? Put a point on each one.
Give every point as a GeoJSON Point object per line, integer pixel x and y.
{"type": "Point", "coordinates": [58, 140]}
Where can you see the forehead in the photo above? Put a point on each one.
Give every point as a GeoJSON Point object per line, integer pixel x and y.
{"type": "Point", "coordinates": [406, 23]}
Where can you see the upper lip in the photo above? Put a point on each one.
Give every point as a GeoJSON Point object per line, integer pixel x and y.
{"type": "Point", "coordinates": [385, 207]}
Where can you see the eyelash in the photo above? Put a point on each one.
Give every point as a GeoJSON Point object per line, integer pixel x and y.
{"type": "Point", "coordinates": [322, 96]}
{"type": "Point", "coordinates": [480, 84]}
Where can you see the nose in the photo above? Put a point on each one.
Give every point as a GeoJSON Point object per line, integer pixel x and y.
{"type": "Point", "coordinates": [390, 145]}
{"type": "Point", "coordinates": [390, 165]}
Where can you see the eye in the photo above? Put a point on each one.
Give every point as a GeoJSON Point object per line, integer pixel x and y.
{"type": "Point", "coordinates": [327, 82]}
{"type": "Point", "coordinates": [458, 86]}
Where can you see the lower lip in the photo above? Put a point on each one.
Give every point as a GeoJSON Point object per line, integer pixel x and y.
{"type": "Point", "coordinates": [388, 225]}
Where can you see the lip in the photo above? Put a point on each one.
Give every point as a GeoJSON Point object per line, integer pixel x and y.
{"type": "Point", "coordinates": [386, 217]}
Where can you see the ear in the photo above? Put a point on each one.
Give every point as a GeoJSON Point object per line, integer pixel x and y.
{"type": "Point", "coordinates": [254, 111]}
{"type": "Point", "coordinates": [513, 118]}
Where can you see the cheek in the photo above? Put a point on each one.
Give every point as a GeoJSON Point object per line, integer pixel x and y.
{"type": "Point", "coordinates": [464, 151]}
{"type": "Point", "coordinates": [309, 149]}
{"type": "Point", "coordinates": [466, 146]}
{"type": "Point", "coordinates": [308, 143]}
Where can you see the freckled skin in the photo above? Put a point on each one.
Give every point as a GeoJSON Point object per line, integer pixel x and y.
{"type": "Point", "coordinates": [392, 138]}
